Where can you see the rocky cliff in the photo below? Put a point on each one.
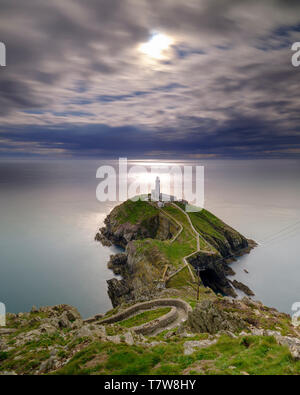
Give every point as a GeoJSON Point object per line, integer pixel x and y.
{"type": "Point", "coordinates": [226, 240]}
{"type": "Point", "coordinates": [134, 221]}
{"type": "Point", "coordinates": [140, 270]}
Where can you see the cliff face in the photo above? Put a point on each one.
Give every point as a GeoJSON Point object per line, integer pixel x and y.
{"type": "Point", "coordinates": [139, 268]}
{"type": "Point", "coordinates": [139, 275]}
{"type": "Point", "coordinates": [225, 239]}
{"type": "Point", "coordinates": [233, 242]}
{"type": "Point", "coordinates": [213, 272]}
{"type": "Point", "coordinates": [134, 221]}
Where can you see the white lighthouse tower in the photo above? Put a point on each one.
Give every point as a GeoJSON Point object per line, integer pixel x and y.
{"type": "Point", "coordinates": [157, 187]}
{"type": "Point", "coordinates": [155, 193]}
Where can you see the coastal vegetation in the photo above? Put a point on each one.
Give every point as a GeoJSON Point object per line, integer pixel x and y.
{"type": "Point", "coordinates": [243, 356]}
{"type": "Point", "coordinates": [144, 317]}
{"type": "Point", "coordinates": [136, 212]}
{"type": "Point", "coordinates": [80, 348]}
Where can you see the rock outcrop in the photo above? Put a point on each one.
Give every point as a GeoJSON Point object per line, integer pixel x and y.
{"type": "Point", "coordinates": [119, 291]}
{"type": "Point", "coordinates": [139, 275]}
{"type": "Point", "coordinates": [207, 317]}
{"type": "Point", "coordinates": [193, 345]}
{"type": "Point", "coordinates": [117, 263]}
{"type": "Point", "coordinates": [120, 228]}
{"type": "Point", "coordinates": [242, 287]}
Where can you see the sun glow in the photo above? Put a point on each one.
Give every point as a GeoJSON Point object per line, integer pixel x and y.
{"type": "Point", "coordinates": [156, 46]}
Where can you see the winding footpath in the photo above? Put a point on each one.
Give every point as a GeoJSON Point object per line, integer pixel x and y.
{"type": "Point", "coordinates": [195, 231]}
{"type": "Point", "coordinates": [191, 225]}
{"type": "Point", "coordinates": [175, 220]}
{"type": "Point", "coordinates": [178, 314]}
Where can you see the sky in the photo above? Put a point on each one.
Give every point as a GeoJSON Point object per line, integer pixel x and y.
{"type": "Point", "coordinates": [150, 79]}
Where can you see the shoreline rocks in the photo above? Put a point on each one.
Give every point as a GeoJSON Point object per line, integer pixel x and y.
{"type": "Point", "coordinates": [242, 287]}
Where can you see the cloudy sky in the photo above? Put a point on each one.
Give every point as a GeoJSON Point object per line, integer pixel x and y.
{"type": "Point", "coordinates": [150, 78]}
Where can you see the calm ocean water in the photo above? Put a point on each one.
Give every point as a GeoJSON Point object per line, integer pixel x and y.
{"type": "Point", "coordinates": [49, 216]}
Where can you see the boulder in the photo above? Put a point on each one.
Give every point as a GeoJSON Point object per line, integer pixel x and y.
{"type": "Point", "coordinates": [77, 324]}
{"type": "Point", "coordinates": [7, 331]}
{"type": "Point", "coordinates": [47, 328]}
{"type": "Point", "coordinates": [292, 343]}
{"type": "Point", "coordinates": [7, 373]}
{"type": "Point", "coordinates": [64, 321]}
{"type": "Point", "coordinates": [84, 332]}
{"type": "Point", "coordinates": [72, 313]}
{"type": "Point", "coordinates": [114, 339]}
{"type": "Point", "coordinates": [34, 309]}
{"type": "Point", "coordinates": [34, 321]}
{"type": "Point", "coordinates": [257, 332]}
{"type": "Point", "coordinates": [191, 346]}
{"type": "Point", "coordinates": [47, 365]}
{"type": "Point", "coordinates": [129, 338]}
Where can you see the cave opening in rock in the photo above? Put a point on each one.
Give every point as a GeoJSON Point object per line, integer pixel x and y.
{"type": "Point", "coordinates": [210, 279]}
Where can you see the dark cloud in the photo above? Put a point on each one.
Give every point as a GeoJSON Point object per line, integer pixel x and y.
{"type": "Point", "coordinates": [75, 78]}
{"type": "Point", "coordinates": [240, 137]}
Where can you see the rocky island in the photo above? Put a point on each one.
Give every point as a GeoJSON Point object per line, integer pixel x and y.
{"type": "Point", "coordinates": [175, 310]}
{"type": "Point", "coordinates": [155, 238]}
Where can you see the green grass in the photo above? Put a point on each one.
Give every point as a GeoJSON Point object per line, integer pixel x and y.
{"type": "Point", "coordinates": [175, 252]}
{"type": "Point", "coordinates": [253, 355]}
{"type": "Point", "coordinates": [187, 235]}
{"type": "Point", "coordinates": [185, 244]}
{"type": "Point", "coordinates": [184, 221]}
{"type": "Point", "coordinates": [167, 252]}
{"type": "Point", "coordinates": [207, 224]}
{"type": "Point", "coordinates": [144, 317]}
{"type": "Point", "coordinates": [181, 279]}
{"type": "Point", "coordinates": [3, 355]}
{"type": "Point", "coordinates": [135, 212]}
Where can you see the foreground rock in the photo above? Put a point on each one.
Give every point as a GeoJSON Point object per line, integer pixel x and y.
{"type": "Point", "coordinates": [207, 317]}
{"type": "Point", "coordinates": [191, 346]}
{"type": "Point", "coordinates": [46, 340]}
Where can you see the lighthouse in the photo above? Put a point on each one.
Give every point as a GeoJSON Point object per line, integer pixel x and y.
{"type": "Point", "coordinates": [155, 193]}
{"type": "Point", "coordinates": [157, 187]}
{"type": "Point", "coordinates": [161, 198]}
